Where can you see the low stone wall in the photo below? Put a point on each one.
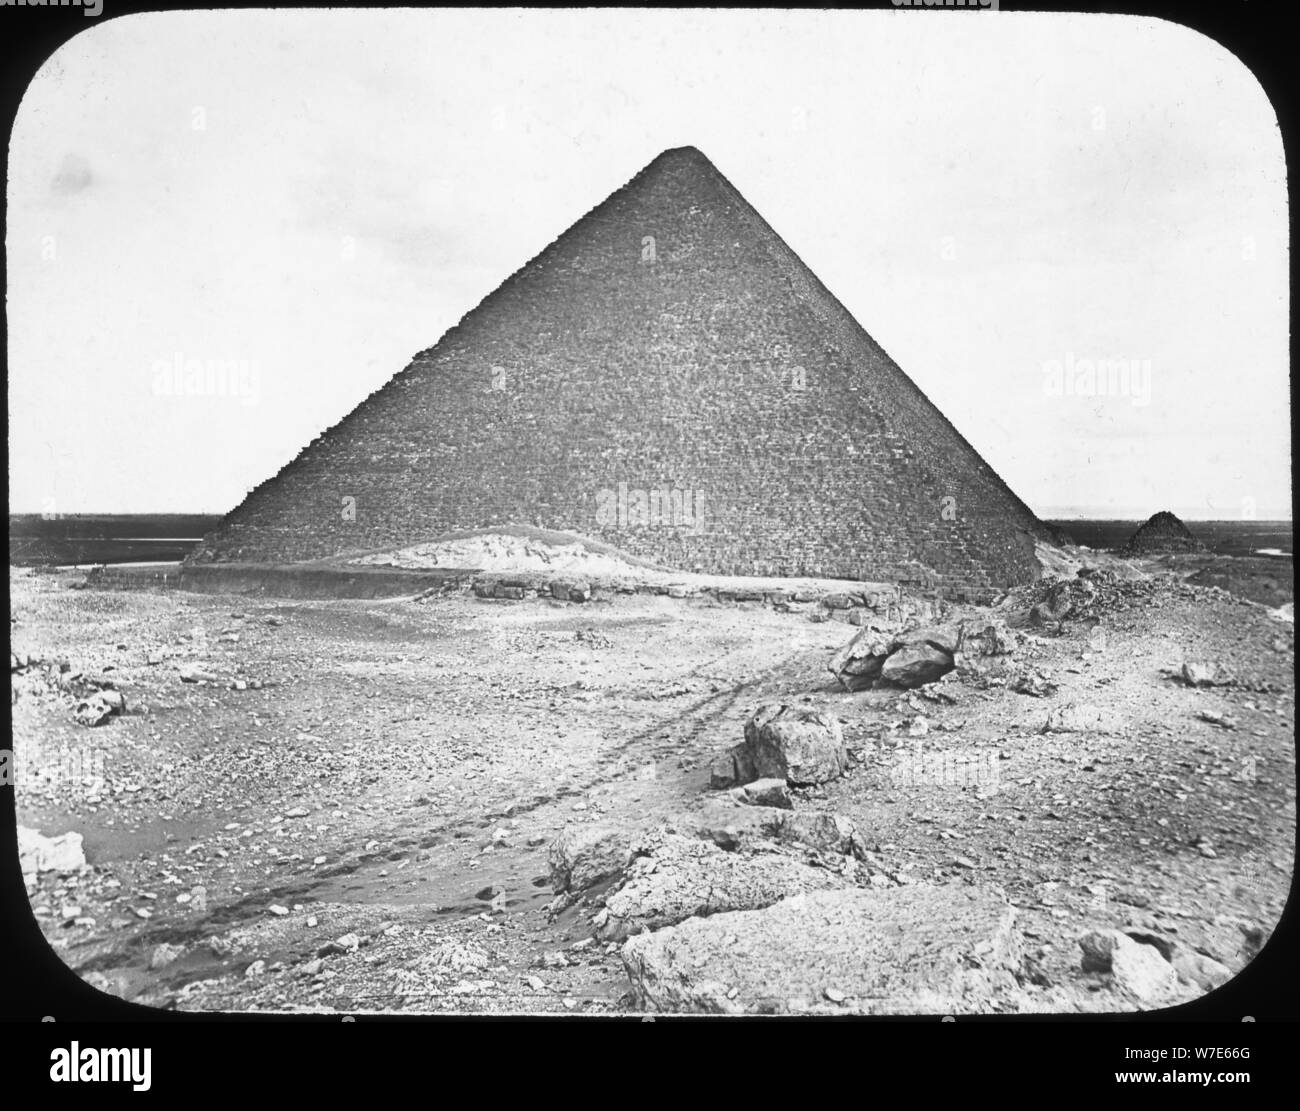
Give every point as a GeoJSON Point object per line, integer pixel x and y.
{"type": "Point", "coordinates": [283, 580]}
{"type": "Point", "coordinates": [848, 602]}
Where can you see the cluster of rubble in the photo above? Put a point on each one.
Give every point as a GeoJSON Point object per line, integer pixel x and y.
{"type": "Point", "coordinates": [853, 604]}
{"type": "Point", "coordinates": [97, 697]}
{"type": "Point", "coordinates": [918, 656]}
{"type": "Point", "coordinates": [1095, 591]}
{"type": "Point", "coordinates": [752, 903]}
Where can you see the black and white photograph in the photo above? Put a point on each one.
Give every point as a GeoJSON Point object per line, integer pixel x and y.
{"type": "Point", "coordinates": [625, 513]}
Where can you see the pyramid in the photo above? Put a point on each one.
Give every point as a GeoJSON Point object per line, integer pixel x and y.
{"type": "Point", "coordinates": [1163, 532]}
{"type": "Point", "coordinates": [667, 377]}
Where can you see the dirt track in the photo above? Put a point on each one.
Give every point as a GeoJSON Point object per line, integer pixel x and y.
{"type": "Point", "coordinates": [438, 748]}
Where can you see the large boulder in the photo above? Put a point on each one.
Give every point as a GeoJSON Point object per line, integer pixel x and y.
{"type": "Point", "coordinates": [798, 745]}
{"type": "Point", "coordinates": [914, 665]}
{"type": "Point", "coordinates": [585, 855]}
{"type": "Point", "coordinates": [732, 768]}
{"type": "Point", "coordinates": [857, 664]}
{"type": "Point", "coordinates": [946, 638]}
{"type": "Point", "coordinates": [1200, 674]}
{"type": "Point", "coordinates": [1137, 970]}
{"type": "Point", "coordinates": [95, 710]}
{"type": "Point", "coordinates": [909, 659]}
{"type": "Point", "coordinates": [38, 853]}
{"type": "Point", "coordinates": [913, 950]}
{"type": "Point", "coordinates": [1194, 969]}
{"type": "Point", "coordinates": [731, 826]}
{"type": "Point", "coordinates": [987, 637]}
{"type": "Point", "coordinates": [687, 878]}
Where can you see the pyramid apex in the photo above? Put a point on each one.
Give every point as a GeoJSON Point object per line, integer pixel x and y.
{"type": "Point", "coordinates": [683, 154]}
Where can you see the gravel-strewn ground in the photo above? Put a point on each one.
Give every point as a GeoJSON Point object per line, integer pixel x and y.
{"type": "Point", "coordinates": [394, 784]}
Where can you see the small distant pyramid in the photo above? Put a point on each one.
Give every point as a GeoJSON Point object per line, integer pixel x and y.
{"type": "Point", "coordinates": [667, 377]}
{"type": "Point", "coordinates": [1163, 533]}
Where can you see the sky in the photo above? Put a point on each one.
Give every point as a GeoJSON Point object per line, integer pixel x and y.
{"type": "Point", "coordinates": [300, 201]}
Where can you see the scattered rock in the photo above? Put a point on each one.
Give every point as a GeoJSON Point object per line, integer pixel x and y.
{"type": "Point", "coordinates": [1083, 717]}
{"type": "Point", "coordinates": [592, 639]}
{"type": "Point", "coordinates": [37, 853]}
{"type": "Point", "coordinates": [1052, 611]}
{"type": "Point", "coordinates": [764, 792]}
{"type": "Point", "coordinates": [1200, 674]}
{"type": "Point", "coordinates": [456, 957]}
{"type": "Point", "coordinates": [97, 708]}
{"type": "Point", "coordinates": [165, 954]}
{"type": "Point", "coordinates": [1033, 684]}
{"type": "Point", "coordinates": [348, 943]}
{"type": "Point", "coordinates": [115, 699]}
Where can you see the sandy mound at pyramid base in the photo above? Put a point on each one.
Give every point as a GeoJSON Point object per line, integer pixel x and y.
{"type": "Point", "coordinates": [515, 549]}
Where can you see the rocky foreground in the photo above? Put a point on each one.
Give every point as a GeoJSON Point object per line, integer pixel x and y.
{"type": "Point", "coordinates": [1081, 798]}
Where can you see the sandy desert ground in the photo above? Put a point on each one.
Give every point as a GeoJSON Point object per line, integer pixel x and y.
{"type": "Point", "coordinates": [351, 806]}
